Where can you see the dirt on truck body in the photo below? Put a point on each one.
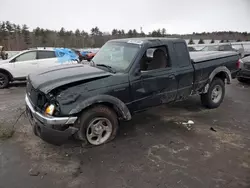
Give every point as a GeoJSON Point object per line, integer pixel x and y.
{"type": "Point", "coordinates": [125, 77]}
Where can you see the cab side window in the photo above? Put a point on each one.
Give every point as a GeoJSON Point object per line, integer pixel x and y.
{"type": "Point", "coordinates": [28, 56]}
{"type": "Point", "coordinates": [225, 48]}
{"type": "Point", "coordinates": [46, 54]}
{"type": "Point", "coordinates": [155, 58]}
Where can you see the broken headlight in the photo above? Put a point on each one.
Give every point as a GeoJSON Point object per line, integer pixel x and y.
{"type": "Point", "coordinates": [50, 109]}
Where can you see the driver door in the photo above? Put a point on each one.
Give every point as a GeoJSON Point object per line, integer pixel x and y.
{"type": "Point", "coordinates": [155, 86]}
{"type": "Point", "coordinates": [24, 64]}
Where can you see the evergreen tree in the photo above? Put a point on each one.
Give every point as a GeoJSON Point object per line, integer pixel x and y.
{"type": "Point", "coordinates": [130, 33]}
{"type": "Point", "coordinates": [3, 32]}
{"type": "Point", "coordinates": [163, 32]}
{"type": "Point", "coordinates": [191, 41]}
{"type": "Point", "coordinates": [134, 33]}
{"type": "Point", "coordinates": [201, 41]}
{"type": "Point", "coordinates": [26, 35]}
{"type": "Point", "coordinates": [114, 32]}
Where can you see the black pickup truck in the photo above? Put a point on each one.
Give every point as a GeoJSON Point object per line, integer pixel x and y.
{"type": "Point", "coordinates": [126, 76]}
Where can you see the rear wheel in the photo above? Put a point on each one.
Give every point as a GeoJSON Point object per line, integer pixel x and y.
{"type": "Point", "coordinates": [98, 125]}
{"type": "Point", "coordinates": [215, 95]}
{"type": "Point", "coordinates": [4, 80]}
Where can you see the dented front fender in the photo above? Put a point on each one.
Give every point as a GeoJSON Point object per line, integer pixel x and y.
{"type": "Point", "coordinates": [120, 107]}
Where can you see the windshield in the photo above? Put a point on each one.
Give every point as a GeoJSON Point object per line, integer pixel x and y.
{"type": "Point", "coordinates": [118, 55]}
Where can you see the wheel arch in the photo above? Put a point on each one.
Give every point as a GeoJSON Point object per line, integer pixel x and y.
{"type": "Point", "coordinates": [7, 73]}
{"type": "Point", "coordinates": [221, 72]}
{"type": "Point", "coordinates": [114, 103]}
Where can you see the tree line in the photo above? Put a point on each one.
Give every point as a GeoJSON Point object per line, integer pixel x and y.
{"type": "Point", "coordinates": [19, 37]}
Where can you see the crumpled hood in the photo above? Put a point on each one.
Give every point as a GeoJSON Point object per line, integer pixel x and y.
{"type": "Point", "coordinates": [60, 75]}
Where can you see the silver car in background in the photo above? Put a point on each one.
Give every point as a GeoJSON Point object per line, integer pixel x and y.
{"type": "Point", "coordinates": [244, 73]}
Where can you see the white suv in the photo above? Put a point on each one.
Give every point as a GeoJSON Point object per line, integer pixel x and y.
{"type": "Point", "coordinates": [22, 64]}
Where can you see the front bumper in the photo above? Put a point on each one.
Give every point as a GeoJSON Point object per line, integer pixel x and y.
{"type": "Point", "coordinates": [234, 74]}
{"type": "Point", "coordinates": [54, 130]}
{"type": "Point", "coordinates": [243, 73]}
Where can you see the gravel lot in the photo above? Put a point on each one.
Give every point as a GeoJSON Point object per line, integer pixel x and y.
{"type": "Point", "coordinates": [152, 150]}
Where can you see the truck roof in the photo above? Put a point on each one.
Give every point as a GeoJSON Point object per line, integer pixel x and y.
{"type": "Point", "coordinates": [148, 40]}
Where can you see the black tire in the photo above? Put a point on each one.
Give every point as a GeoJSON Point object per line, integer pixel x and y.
{"type": "Point", "coordinates": [4, 80]}
{"type": "Point", "coordinates": [89, 115]}
{"type": "Point", "coordinates": [242, 80]}
{"type": "Point", "coordinates": [206, 99]}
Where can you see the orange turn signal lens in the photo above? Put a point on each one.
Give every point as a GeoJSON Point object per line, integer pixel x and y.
{"type": "Point", "coordinates": [50, 109]}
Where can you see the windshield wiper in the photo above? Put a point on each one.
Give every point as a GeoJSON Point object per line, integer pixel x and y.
{"type": "Point", "coordinates": [107, 66]}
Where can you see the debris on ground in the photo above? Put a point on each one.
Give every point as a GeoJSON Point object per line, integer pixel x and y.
{"type": "Point", "coordinates": [44, 174]}
{"type": "Point", "coordinates": [77, 172]}
{"type": "Point", "coordinates": [171, 142]}
{"type": "Point", "coordinates": [212, 129]}
{"type": "Point", "coordinates": [33, 172]}
{"type": "Point", "coordinates": [188, 124]}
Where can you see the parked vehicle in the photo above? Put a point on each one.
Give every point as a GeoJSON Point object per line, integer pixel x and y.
{"type": "Point", "coordinates": [126, 77]}
{"type": "Point", "coordinates": [84, 53]}
{"type": "Point", "coordinates": [241, 48]}
{"type": "Point", "coordinates": [219, 47]}
{"type": "Point", "coordinates": [191, 49]}
{"type": "Point", "coordinates": [30, 61]}
{"type": "Point", "coordinates": [244, 73]}
{"type": "Point", "coordinates": [78, 52]}
{"type": "Point", "coordinates": [90, 54]}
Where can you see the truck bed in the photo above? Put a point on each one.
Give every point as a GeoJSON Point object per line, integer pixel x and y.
{"type": "Point", "coordinates": [205, 62]}
{"type": "Point", "coordinates": [198, 57]}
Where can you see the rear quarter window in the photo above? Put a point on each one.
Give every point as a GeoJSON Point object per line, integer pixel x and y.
{"type": "Point", "coordinates": [182, 54]}
{"type": "Point", "coordinates": [46, 54]}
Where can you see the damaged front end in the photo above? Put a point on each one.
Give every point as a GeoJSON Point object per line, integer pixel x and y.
{"type": "Point", "coordinates": [44, 115]}
{"type": "Point", "coordinates": [48, 100]}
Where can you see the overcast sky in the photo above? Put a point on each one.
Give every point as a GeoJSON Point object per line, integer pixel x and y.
{"type": "Point", "coordinates": [177, 16]}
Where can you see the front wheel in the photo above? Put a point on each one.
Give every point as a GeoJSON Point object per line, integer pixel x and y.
{"type": "Point", "coordinates": [98, 125]}
{"type": "Point", "coordinates": [4, 80]}
{"type": "Point", "coordinates": [215, 95]}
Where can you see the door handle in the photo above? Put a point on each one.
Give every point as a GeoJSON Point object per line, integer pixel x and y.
{"type": "Point", "coordinates": [172, 77]}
